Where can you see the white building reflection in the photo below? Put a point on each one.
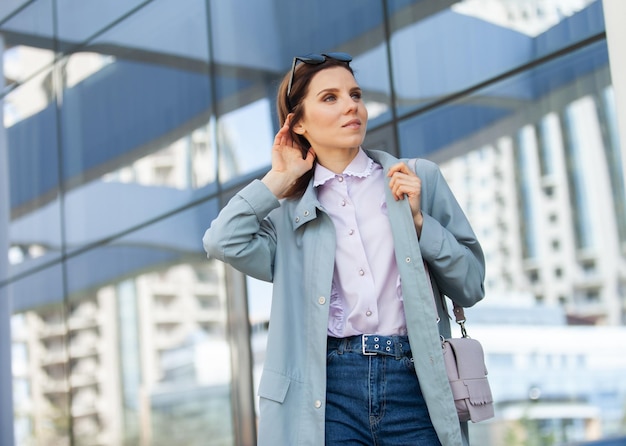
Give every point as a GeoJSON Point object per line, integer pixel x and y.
{"type": "Point", "coordinates": [141, 353]}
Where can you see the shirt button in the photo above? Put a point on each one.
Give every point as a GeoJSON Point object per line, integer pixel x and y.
{"type": "Point", "coordinates": [361, 272]}
{"type": "Point", "coordinates": [368, 313]}
{"type": "Point", "coordinates": [340, 179]}
{"type": "Point", "coordinates": [351, 231]}
{"type": "Point", "coordinates": [317, 404]}
{"type": "Point", "coordinates": [321, 300]}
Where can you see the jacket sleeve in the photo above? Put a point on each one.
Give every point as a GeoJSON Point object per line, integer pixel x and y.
{"type": "Point", "coordinates": [447, 242]}
{"type": "Point", "coordinates": [243, 235]}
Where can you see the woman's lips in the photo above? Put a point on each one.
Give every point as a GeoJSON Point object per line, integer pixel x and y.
{"type": "Point", "coordinates": [355, 123]}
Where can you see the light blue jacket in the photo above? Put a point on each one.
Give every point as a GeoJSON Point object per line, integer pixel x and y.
{"type": "Point", "coordinates": [292, 244]}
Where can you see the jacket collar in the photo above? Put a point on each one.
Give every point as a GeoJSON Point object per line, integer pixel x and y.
{"type": "Point", "coordinates": [385, 159]}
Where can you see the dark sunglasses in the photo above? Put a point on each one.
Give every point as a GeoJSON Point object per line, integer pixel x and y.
{"type": "Point", "coordinates": [314, 59]}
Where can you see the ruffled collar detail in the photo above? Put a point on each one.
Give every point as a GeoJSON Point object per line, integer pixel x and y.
{"type": "Point", "coordinates": [359, 167]}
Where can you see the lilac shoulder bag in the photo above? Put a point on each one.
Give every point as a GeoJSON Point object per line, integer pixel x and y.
{"type": "Point", "coordinates": [467, 373]}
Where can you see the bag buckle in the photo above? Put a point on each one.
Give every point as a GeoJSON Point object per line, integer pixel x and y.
{"type": "Point", "coordinates": [463, 330]}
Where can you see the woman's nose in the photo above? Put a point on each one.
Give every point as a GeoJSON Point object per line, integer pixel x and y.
{"type": "Point", "coordinates": [351, 104]}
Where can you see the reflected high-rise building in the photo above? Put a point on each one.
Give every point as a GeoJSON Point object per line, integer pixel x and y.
{"type": "Point", "coordinates": [547, 202]}
{"type": "Point", "coordinates": [531, 17]}
{"type": "Point", "coordinates": [116, 361]}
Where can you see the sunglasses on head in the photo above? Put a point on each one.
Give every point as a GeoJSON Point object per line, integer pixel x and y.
{"type": "Point", "coordinates": [314, 59]}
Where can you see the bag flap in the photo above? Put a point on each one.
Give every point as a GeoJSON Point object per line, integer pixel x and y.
{"type": "Point", "coordinates": [465, 364]}
{"type": "Point", "coordinates": [470, 358]}
{"type": "Point", "coordinates": [478, 391]}
{"type": "Point", "coordinates": [480, 400]}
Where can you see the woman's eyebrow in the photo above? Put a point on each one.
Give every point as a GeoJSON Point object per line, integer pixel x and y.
{"type": "Point", "coordinates": [328, 90]}
{"type": "Point", "coordinates": [335, 89]}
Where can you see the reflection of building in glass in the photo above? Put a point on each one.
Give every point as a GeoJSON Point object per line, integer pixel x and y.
{"type": "Point", "coordinates": [182, 164]}
{"type": "Point", "coordinates": [530, 17]}
{"type": "Point", "coordinates": [110, 366]}
{"type": "Point", "coordinates": [545, 200]}
{"type": "Point", "coordinates": [187, 404]}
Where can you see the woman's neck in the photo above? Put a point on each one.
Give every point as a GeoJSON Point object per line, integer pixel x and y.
{"type": "Point", "coordinates": [336, 160]}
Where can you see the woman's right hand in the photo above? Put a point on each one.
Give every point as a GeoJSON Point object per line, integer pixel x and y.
{"type": "Point", "coordinates": [287, 162]}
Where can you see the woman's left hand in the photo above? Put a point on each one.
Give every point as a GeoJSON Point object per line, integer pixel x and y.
{"type": "Point", "coordinates": [405, 183]}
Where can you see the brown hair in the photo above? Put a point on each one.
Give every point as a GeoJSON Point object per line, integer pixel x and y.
{"type": "Point", "coordinates": [299, 89]}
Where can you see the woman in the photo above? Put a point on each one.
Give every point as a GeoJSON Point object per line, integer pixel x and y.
{"type": "Point", "coordinates": [355, 243]}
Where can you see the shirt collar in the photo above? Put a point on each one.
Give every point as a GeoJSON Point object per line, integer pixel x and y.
{"type": "Point", "coordinates": [359, 167]}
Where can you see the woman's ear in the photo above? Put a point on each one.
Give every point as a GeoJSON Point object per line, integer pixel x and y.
{"type": "Point", "coordinates": [298, 128]}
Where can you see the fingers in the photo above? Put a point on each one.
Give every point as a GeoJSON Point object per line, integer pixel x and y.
{"type": "Point", "coordinates": [280, 137]}
{"type": "Point", "coordinates": [401, 188]}
{"type": "Point", "coordinates": [404, 182]}
{"type": "Point", "coordinates": [283, 137]}
{"type": "Point", "coordinates": [399, 168]}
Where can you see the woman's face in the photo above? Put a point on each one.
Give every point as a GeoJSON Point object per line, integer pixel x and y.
{"type": "Point", "coordinates": [334, 114]}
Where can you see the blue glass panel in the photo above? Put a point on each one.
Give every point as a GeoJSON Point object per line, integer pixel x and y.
{"type": "Point", "coordinates": [8, 7]}
{"type": "Point", "coordinates": [480, 43]}
{"type": "Point", "coordinates": [136, 122]}
{"type": "Point", "coordinates": [26, 42]}
{"type": "Point", "coordinates": [30, 214]}
{"type": "Point", "coordinates": [77, 19]}
{"type": "Point", "coordinates": [34, 221]}
{"type": "Point", "coordinates": [157, 245]}
{"type": "Point", "coordinates": [444, 128]}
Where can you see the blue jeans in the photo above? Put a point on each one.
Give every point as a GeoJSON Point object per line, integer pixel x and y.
{"type": "Point", "coordinates": [375, 399]}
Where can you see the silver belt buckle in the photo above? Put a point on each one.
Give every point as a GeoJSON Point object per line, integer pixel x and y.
{"type": "Point", "coordinates": [363, 338]}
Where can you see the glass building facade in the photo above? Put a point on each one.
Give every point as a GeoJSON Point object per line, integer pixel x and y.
{"type": "Point", "coordinates": [128, 124]}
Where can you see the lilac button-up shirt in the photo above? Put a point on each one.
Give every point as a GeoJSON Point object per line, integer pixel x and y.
{"type": "Point", "coordinates": [366, 296]}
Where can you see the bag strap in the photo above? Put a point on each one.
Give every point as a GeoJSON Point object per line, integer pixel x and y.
{"type": "Point", "coordinates": [459, 315]}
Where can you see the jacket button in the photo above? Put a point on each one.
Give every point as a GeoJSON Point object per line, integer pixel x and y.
{"type": "Point", "coordinates": [407, 260]}
{"type": "Point", "coordinates": [306, 213]}
{"type": "Point", "coordinates": [317, 404]}
{"type": "Point", "coordinates": [321, 300]}
{"type": "Point", "coordinates": [297, 219]}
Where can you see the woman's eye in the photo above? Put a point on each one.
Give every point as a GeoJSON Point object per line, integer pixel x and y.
{"type": "Point", "coordinates": [329, 98]}
{"type": "Point", "coordinates": [357, 95]}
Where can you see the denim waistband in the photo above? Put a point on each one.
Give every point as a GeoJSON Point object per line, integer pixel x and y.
{"type": "Point", "coordinates": [372, 344]}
